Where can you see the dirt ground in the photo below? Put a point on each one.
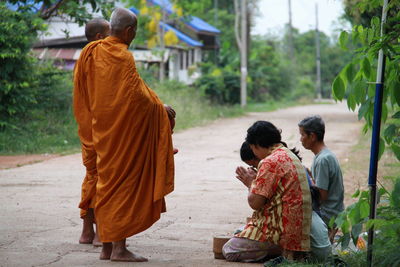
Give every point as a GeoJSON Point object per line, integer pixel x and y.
{"type": "Point", "coordinates": [39, 218]}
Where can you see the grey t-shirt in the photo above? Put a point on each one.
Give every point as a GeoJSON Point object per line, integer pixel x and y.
{"type": "Point", "coordinates": [327, 174]}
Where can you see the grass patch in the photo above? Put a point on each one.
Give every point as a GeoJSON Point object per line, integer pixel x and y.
{"type": "Point", "coordinates": [52, 130]}
{"type": "Point", "coordinates": [358, 162]}
{"type": "Point", "coordinates": [44, 133]}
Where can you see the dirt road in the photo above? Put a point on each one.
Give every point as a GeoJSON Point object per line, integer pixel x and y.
{"type": "Point", "coordinates": [39, 219]}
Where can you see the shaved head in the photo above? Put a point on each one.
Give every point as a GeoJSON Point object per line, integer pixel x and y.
{"type": "Point", "coordinates": [97, 29]}
{"type": "Point", "coordinates": [121, 18]}
{"type": "Point", "coordinates": [123, 25]}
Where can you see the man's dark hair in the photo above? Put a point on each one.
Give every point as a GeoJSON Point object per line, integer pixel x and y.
{"type": "Point", "coordinates": [265, 134]}
{"type": "Point", "coordinates": [246, 153]}
{"type": "Point", "coordinates": [313, 124]}
{"type": "Point", "coordinates": [95, 26]}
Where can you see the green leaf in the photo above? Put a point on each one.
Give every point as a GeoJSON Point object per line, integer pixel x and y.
{"type": "Point", "coordinates": [338, 88]}
{"type": "Point", "coordinates": [396, 115]}
{"type": "Point", "coordinates": [364, 195]}
{"type": "Point", "coordinates": [343, 38]}
{"type": "Point", "coordinates": [382, 191]}
{"type": "Point", "coordinates": [363, 110]}
{"type": "Point", "coordinates": [375, 23]}
{"type": "Point", "coordinates": [351, 102]}
{"type": "Point", "coordinates": [389, 133]}
{"type": "Point", "coordinates": [396, 151]}
{"type": "Point", "coordinates": [366, 67]}
{"type": "Point", "coordinates": [395, 196]}
{"type": "Point", "coordinates": [350, 72]}
{"type": "Point", "coordinates": [370, 223]}
{"type": "Point", "coordinates": [355, 232]}
{"type": "Point", "coordinates": [360, 92]}
{"type": "Point", "coordinates": [332, 222]}
{"type": "Point", "coordinates": [364, 209]}
{"type": "Point", "coordinates": [384, 112]}
{"type": "Point", "coordinates": [340, 219]}
{"type": "Point", "coordinates": [345, 226]}
{"type": "Point", "coordinates": [345, 240]}
{"type": "Point", "coordinates": [356, 194]}
{"type": "Point", "coordinates": [396, 92]}
{"type": "Point", "coordinates": [354, 214]}
{"type": "Point", "coordinates": [381, 147]}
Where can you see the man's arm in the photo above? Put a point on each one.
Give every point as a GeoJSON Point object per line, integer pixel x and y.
{"type": "Point", "coordinates": [256, 202]}
{"type": "Point", "coordinates": [322, 179]}
{"type": "Point", "coordinates": [323, 195]}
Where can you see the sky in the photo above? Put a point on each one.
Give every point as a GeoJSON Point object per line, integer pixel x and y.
{"type": "Point", "coordinates": [274, 14]}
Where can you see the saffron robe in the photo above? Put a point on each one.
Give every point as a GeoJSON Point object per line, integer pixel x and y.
{"type": "Point", "coordinates": [125, 123]}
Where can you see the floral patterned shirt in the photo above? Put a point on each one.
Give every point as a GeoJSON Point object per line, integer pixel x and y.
{"type": "Point", "coordinates": [285, 219]}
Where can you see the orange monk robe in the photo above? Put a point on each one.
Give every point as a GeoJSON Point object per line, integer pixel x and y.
{"type": "Point", "coordinates": [89, 156]}
{"type": "Point", "coordinates": [88, 192]}
{"type": "Point", "coordinates": [131, 135]}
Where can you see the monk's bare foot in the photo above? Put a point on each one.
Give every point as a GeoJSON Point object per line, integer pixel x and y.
{"type": "Point", "coordinates": [126, 255]}
{"type": "Point", "coordinates": [86, 237]}
{"type": "Point", "coordinates": [175, 150]}
{"type": "Point", "coordinates": [96, 241]}
{"type": "Point", "coordinates": [87, 228]}
{"type": "Point", "coordinates": [120, 253]}
{"type": "Point", "coordinates": [106, 251]}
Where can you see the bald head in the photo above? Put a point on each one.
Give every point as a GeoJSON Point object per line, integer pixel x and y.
{"type": "Point", "coordinates": [121, 19]}
{"type": "Point", "coordinates": [97, 29]}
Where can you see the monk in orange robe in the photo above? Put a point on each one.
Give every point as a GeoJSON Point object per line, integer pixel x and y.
{"type": "Point", "coordinates": [95, 29]}
{"type": "Point", "coordinates": [130, 133]}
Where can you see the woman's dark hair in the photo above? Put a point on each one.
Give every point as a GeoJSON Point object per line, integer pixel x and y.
{"type": "Point", "coordinates": [246, 153]}
{"type": "Point", "coordinates": [265, 134]}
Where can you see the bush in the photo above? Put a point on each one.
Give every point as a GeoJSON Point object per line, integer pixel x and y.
{"type": "Point", "coordinates": [220, 85]}
{"type": "Point", "coordinates": [47, 125]}
{"type": "Point", "coordinates": [387, 224]}
{"type": "Point", "coordinates": [17, 89]}
{"type": "Point", "coordinates": [303, 89]}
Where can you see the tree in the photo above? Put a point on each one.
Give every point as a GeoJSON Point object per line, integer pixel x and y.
{"type": "Point", "coordinates": [19, 31]}
{"type": "Point", "coordinates": [79, 11]}
{"type": "Point", "coordinates": [20, 72]}
{"type": "Point", "coordinates": [356, 83]}
{"type": "Point", "coordinates": [356, 79]}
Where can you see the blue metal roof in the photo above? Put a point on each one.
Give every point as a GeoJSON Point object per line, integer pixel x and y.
{"type": "Point", "coordinates": [181, 36]}
{"type": "Point", "coordinates": [196, 23]}
{"type": "Point", "coordinates": [166, 4]}
{"type": "Point", "coordinates": [200, 25]}
{"type": "Point", "coordinates": [135, 10]}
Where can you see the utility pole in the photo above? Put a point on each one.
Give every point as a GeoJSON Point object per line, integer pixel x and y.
{"type": "Point", "coordinates": [215, 24]}
{"type": "Point", "coordinates": [243, 58]}
{"type": "Point", "coordinates": [162, 46]}
{"type": "Point", "coordinates": [241, 39]}
{"type": "Point", "coordinates": [290, 33]}
{"type": "Point", "coordinates": [318, 55]}
{"type": "Point", "coordinates": [376, 132]}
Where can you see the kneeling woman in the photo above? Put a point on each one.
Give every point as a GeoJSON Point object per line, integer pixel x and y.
{"type": "Point", "coordinates": [280, 197]}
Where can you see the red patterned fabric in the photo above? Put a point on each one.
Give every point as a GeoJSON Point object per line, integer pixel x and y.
{"type": "Point", "coordinates": [285, 219]}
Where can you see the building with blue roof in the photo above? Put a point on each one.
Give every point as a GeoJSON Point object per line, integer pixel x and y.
{"type": "Point", "coordinates": [192, 26]}
{"type": "Point", "coordinates": [194, 35]}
